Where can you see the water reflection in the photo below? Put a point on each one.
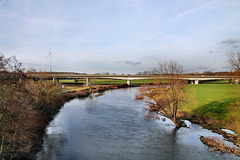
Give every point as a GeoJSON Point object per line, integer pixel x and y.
{"type": "Point", "coordinates": [115, 126]}
{"type": "Point", "coordinates": [53, 147]}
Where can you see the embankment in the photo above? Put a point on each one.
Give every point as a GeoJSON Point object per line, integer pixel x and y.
{"type": "Point", "coordinates": [50, 110]}
{"type": "Point", "coordinates": [214, 107]}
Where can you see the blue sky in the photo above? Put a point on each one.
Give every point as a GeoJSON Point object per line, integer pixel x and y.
{"type": "Point", "coordinates": [120, 36]}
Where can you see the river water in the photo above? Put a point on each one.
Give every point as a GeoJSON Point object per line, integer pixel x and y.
{"type": "Point", "coordinates": [116, 126]}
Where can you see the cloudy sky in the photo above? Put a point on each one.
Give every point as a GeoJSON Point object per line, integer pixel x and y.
{"type": "Point", "coordinates": [120, 36]}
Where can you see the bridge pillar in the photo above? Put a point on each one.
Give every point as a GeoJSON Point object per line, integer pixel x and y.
{"type": "Point", "coordinates": [196, 82]}
{"type": "Point", "coordinates": [87, 81]}
{"type": "Point", "coordinates": [236, 81]}
{"type": "Point", "coordinates": [129, 82]}
{"type": "Point", "coordinates": [191, 82]}
{"type": "Point", "coordinates": [55, 81]}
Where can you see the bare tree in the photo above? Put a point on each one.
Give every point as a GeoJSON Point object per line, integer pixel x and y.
{"type": "Point", "coordinates": [234, 60]}
{"type": "Point", "coordinates": [166, 98]}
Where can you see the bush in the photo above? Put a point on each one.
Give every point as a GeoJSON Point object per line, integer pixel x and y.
{"type": "Point", "coordinates": [22, 102]}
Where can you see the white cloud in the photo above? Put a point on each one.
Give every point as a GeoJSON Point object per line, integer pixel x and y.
{"type": "Point", "coordinates": [195, 9]}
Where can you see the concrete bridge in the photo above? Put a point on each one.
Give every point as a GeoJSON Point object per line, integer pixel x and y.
{"type": "Point", "coordinates": [191, 79]}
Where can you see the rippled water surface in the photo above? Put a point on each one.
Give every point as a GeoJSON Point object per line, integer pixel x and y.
{"type": "Point", "coordinates": [116, 126]}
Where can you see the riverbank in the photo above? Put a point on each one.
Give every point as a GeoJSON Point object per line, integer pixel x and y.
{"type": "Point", "coordinates": [214, 107]}
{"type": "Point", "coordinates": [64, 95]}
{"type": "Point", "coordinates": [210, 124]}
{"type": "Point", "coordinates": [29, 108]}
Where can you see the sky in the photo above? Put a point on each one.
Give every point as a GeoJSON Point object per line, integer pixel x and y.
{"type": "Point", "coordinates": [120, 36]}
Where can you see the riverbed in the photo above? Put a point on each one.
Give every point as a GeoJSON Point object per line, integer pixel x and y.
{"type": "Point", "coordinates": [114, 125]}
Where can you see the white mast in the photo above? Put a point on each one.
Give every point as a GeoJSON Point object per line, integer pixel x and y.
{"type": "Point", "coordinates": [50, 67]}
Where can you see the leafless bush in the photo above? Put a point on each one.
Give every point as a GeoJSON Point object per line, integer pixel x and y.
{"type": "Point", "coordinates": [21, 100]}
{"type": "Point", "coordinates": [218, 145]}
{"type": "Point", "coordinates": [167, 98]}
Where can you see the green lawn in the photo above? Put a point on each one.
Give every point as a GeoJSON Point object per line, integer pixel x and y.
{"type": "Point", "coordinates": [142, 81]}
{"type": "Point", "coordinates": [212, 100]}
{"type": "Point", "coordinates": [215, 82]}
{"type": "Point", "coordinates": [72, 81]}
{"type": "Point", "coordinates": [107, 81]}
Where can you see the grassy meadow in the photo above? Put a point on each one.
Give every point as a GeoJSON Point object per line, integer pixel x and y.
{"type": "Point", "coordinates": [215, 82]}
{"type": "Point", "coordinates": [220, 102]}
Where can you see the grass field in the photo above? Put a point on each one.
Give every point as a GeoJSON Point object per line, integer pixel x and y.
{"type": "Point", "coordinates": [72, 81]}
{"type": "Point", "coordinates": [215, 82]}
{"type": "Point", "coordinates": [217, 101]}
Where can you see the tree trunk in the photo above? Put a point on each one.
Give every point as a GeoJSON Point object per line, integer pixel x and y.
{"type": "Point", "coordinates": [178, 123]}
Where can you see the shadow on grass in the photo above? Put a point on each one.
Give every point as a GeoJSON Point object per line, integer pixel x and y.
{"type": "Point", "coordinates": [217, 109]}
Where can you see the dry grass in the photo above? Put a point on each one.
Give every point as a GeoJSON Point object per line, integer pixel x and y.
{"type": "Point", "coordinates": [21, 107]}
{"type": "Point", "coordinates": [139, 97]}
{"type": "Point", "coordinates": [219, 145]}
{"type": "Point", "coordinates": [234, 118]}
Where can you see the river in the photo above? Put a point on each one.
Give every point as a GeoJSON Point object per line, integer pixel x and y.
{"type": "Point", "coordinates": [116, 126]}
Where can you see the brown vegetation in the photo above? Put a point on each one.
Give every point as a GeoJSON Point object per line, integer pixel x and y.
{"type": "Point", "coordinates": [219, 145]}
{"type": "Point", "coordinates": [167, 98]}
{"type": "Point", "coordinates": [139, 96]}
{"type": "Point", "coordinates": [234, 120]}
{"type": "Point", "coordinates": [23, 102]}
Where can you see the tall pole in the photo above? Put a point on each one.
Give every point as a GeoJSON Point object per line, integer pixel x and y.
{"type": "Point", "coordinates": [50, 67]}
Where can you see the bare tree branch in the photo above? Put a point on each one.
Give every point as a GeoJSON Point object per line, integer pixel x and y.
{"type": "Point", "coordinates": [167, 97]}
{"type": "Point", "coordinates": [234, 60]}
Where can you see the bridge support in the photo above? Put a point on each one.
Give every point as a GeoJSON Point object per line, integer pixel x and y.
{"type": "Point", "coordinates": [87, 81]}
{"type": "Point", "coordinates": [129, 82]}
{"type": "Point", "coordinates": [236, 81]}
{"type": "Point", "coordinates": [193, 81]}
{"type": "Point", "coordinates": [55, 81]}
